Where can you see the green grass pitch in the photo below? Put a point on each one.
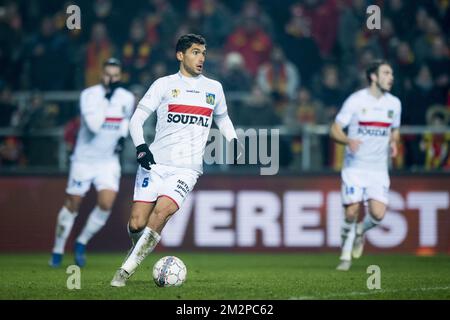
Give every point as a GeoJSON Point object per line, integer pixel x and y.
{"type": "Point", "coordinates": [232, 276]}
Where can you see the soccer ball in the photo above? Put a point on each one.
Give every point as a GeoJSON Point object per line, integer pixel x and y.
{"type": "Point", "coordinates": [169, 271]}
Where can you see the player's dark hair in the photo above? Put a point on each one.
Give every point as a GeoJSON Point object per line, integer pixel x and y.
{"type": "Point", "coordinates": [186, 41]}
{"type": "Point", "coordinates": [373, 68]}
{"type": "Point", "coordinates": [112, 62]}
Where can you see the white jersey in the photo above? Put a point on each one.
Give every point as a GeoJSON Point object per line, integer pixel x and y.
{"type": "Point", "coordinates": [103, 123]}
{"type": "Point", "coordinates": [370, 120]}
{"type": "Point", "coordinates": [185, 108]}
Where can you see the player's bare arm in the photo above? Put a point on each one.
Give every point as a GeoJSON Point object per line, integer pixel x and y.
{"type": "Point", "coordinates": [394, 141]}
{"type": "Point", "coordinates": [338, 135]}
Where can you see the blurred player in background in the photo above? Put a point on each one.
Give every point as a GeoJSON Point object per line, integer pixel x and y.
{"type": "Point", "coordinates": [372, 116]}
{"type": "Point", "coordinates": [106, 109]}
{"type": "Point", "coordinates": [185, 104]}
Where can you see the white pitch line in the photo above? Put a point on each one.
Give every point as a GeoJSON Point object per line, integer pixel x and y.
{"type": "Point", "coordinates": [366, 293]}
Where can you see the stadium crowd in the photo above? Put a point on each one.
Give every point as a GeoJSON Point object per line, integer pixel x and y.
{"type": "Point", "coordinates": [290, 62]}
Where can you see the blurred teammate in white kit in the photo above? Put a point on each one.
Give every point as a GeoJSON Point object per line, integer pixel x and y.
{"type": "Point", "coordinates": [372, 116]}
{"type": "Point", "coordinates": [106, 109]}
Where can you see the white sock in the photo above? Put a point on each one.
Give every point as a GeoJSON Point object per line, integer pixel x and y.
{"type": "Point", "coordinates": [348, 235]}
{"type": "Point", "coordinates": [64, 224]}
{"type": "Point", "coordinates": [134, 236]}
{"type": "Point", "coordinates": [146, 243]}
{"type": "Point", "coordinates": [368, 223]}
{"type": "Point", "coordinates": [97, 219]}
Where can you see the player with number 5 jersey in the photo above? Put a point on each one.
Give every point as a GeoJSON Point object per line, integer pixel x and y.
{"type": "Point", "coordinates": [185, 104]}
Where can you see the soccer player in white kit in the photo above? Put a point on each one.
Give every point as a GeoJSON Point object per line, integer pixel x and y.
{"type": "Point", "coordinates": [372, 116]}
{"type": "Point", "coordinates": [106, 110]}
{"type": "Point", "coordinates": [185, 104]}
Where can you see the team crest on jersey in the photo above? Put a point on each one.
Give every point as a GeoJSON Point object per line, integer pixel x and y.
{"type": "Point", "coordinates": [210, 98]}
{"type": "Point", "coordinates": [175, 92]}
{"type": "Point", "coordinates": [390, 114]}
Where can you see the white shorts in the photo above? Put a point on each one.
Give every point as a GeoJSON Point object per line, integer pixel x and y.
{"type": "Point", "coordinates": [104, 176]}
{"type": "Point", "coordinates": [360, 185]}
{"type": "Point", "coordinates": [164, 181]}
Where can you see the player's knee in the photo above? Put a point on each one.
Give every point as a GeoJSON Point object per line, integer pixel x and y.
{"type": "Point", "coordinates": [105, 205]}
{"type": "Point", "coordinates": [162, 213]}
{"type": "Point", "coordinates": [72, 204]}
{"type": "Point", "coordinates": [136, 224]}
{"type": "Point", "coordinates": [351, 213]}
{"type": "Point", "coordinates": [378, 214]}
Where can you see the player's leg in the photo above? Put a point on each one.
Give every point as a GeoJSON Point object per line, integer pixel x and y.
{"type": "Point", "coordinates": [351, 195]}
{"type": "Point", "coordinates": [161, 213]}
{"type": "Point", "coordinates": [96, 221]}
{"type": "Point", "coordinates": [140, 213]}
{"type": "Point", "coordinates": [138, 221]}
{"type": "Point", "coordinates": [149, 239]}
{"type": "Point", "coordinates": [64, 223]}
{"type": "Point", "coordinates": [169, 201]}
{"type": "Point", "coordinates": [106, 179]}
{"type": "Point", "coordinates": [375, 214]}
{"type": "Point", "coordinates": [377, 192]}
{"type": "Point", "coordinates": [348, 235]}
{"type": "Point", "coordinates": [145, 196]}
{"type": "Point", "coordinates": [377, 211]}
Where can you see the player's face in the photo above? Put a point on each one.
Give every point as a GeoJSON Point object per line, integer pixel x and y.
{"type": "Point", "coordinates": [193, 59]}
{"type": "Point", "coordinates": [111, 74]}
{"type": "Point", "coordinates": [385, 77]}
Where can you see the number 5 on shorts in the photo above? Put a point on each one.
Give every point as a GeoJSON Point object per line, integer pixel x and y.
{"type": "Point", "coordinates": [145, 183]}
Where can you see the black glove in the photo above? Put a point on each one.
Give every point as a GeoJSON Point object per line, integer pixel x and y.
{"type": "Point", "coordinates": [238, 150]}
{"type": "Point", "coordinates": [111, 88]}
{"type": "Point", "coordinates": [144, 157]}
{"type": "Point", "coordinates": [120, 145]}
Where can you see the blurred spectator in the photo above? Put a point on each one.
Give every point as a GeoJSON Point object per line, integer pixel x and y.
{"type": "Point", "coordinates": [429, 30]}
{"type": "Point", "coordinates": [436, 146]}
{"type": "Point", "coordinates": [159, 22]}
{"type": "Point", "coordinates": [400, 15]}
{"type": "Point", "coordinates": [48, 58]}
{"type": "Point", "coordinates": [217, 22]}
{"type": "Point", "coordinates": [300, 47]}
{"type": "Point", "coordinates": [351, 19]}
{"type": "Point", "coordinates": [98, 50]}
{"type": "Point", "coordinates": [404, 69]}
{"type": "Point", "coordinates": [158, 70]}
{"type": "Point", "coordinates": [11, 46]}
{"type": "Point", "coordinates": [328, 91]}
{"type": "Point", "coordinates": [422, 95]}
{"type": "Point", "coordinates": [304, 110]}
{"type": "Point", "coordinates": [11, 152]}
{"type": "Point", "coordinates": [439, 63]}
{"type": "Point", "coordinates": [384, 42]}
{"type": "Point", "coordinates": [252, 43]}
{"type": "Point", "coordinates": [278, 77]}
{"type": "Point", "coordinates": [40, 150]}
{"type": "Point", "coordinates": [323, 17]}
{"type": "Point", "coordinates": [214, 62]}
{"type": "Point", "coordinates": [7, 107]}
{"type": "Point", "coordinates": [107, 13]}
{"type": "Point", "coordinates": [135, 53]}
{"type": "Point", "coordinates": [257, 110]}
{"type": "Point", "coordinates": [251, 9]}
{"type": "Point", "coordinates": [234, 77]}
{"type": "Point", "coordinates": [39, 115]}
